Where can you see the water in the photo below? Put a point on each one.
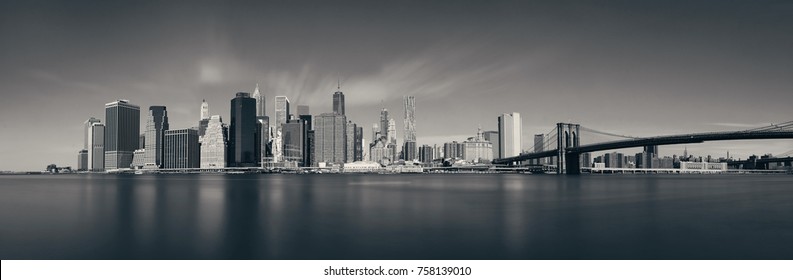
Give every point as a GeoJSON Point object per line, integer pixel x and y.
{"type": "Point", "coordinates": [496, 216]}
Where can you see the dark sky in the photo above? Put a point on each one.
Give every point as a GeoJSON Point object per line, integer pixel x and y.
{"type": "Point", "coordinates": [630, 67]}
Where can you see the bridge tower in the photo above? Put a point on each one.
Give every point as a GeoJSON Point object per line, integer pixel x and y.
{"type": "Point", "coordinates": [567, 136]}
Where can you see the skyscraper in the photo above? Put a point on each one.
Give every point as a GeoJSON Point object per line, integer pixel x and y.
{"type": "Point", "coordinates": [260, 104]}
{"type": "Point", "coordinates": [281, 111]}
{"type": "Point", "coordinates": [156, 125]}
{"type": "Point", "coordinates": [350, 141]}
{"type": "Point", "coordinates": [82, 160]}
{"type": "Point", "coordinates": [308, 138]}
{"type": "Point", "coordinates": [96, 147]}
{"type": "Point", "coordinates": [410, 118]}
{"type": "Point", "coordinates": [292, 139]}
{"type": "Point", "coordinates": [338, 101]}
{"type": "Point", "coordinates": [384, 123]}
{"type": "Point", "coordinates": [539, 146]}
{"type": "Point", "coordinates": [375, 132]}
{"type": "Point", "coordinates": [181, 149]}
{"type": "Point", "coordinates": [121, 133]}
{"type": "Point", "coordinates": [492, 136]}
{"type": "Point", "coordinates": [329, 138]}
{"type": "Point", "coordinates": [242, 132]}
{"type": "Point", "coordinates": [509, 132]}
{"type": "Point", "coordinates": [392, 137]}
{"type": "Point", "coordinates": [213, 147]}
{"type": "Point", "coordinates": [358, 143]}
{"type": "Point", "coordinates": [204, 121]}
{"type": "Point", "coordinates": [87, 131]}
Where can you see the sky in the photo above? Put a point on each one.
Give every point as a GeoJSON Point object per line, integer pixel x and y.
{"type": "Point", "coordinates": [639, 68]}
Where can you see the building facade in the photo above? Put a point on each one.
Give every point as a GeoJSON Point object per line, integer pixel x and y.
{"type": "Point", "coordinates": [410, 119]}
{"type": "Point", "coordinates": [156, 125]}
{"type": "Point", "coordinates": [181, 149]}
{"type": "Point", "coordinates": [293, 141]}
{"type": "Point", "coordinates": [330, 138]}
{"type": "Point", "coordinates": [338, 102]}
{"type": "Point", "coordinates": [214, 145]}
{"type": "Point", "coordinates": [122, 130]}
{"type": "Point", "coordinates": [242, 132]}
{"type": "Point", "coordinates": [281, 111]}
{"type": "Point", "coordinates": [96, 150]}
{"type": "Point", "coordinates": [509, 133]}
{"type": "Point", "coordinates": [477, 149]}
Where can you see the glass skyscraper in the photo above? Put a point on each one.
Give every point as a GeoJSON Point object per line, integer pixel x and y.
{"type": "Point", "coordinates": [242, 132]}
{"type": "Point", "coordinates": [156, 125]}
{"type": "Point", "coordinates": [122, 130]}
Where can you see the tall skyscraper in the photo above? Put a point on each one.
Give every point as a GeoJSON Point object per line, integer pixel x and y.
{"type": "Point", "coordinates": [156, 125]}
{"type": "Point", "coordinates": [410, 118]}
{"type": "Point", "coordinates": [358, 143]}
{"type": "Point", "coordinates": [384, 123]}
{"type": "Point", "coordinates": [292, 138]}
{"type": "Point", "coordinates": [96, 147]}
{"type": "Point", "coordinates": [87, 131]}
{"type": "Point", "coordinates": [392, 137]}
{"type": "Point", "coordinates": [214, 145]}
{"type": "Point", "coordinates": [350, 141]}
{"type": "Point", "coordinates": [262, 138]}
{"type": "Point", "coordinates": [204, 121]}
{"type": "Point", "coordinates": [260, 104]}
{"type": "Point", "coordinates": [281, 111]}
{"type": "Point", "coordinates": [242, 132]}
{"type": "Point", "coordinates": [308, 138]}
{"type": "Point", "coordinates": [121, 133]}
{"type": "Point", "coordinates": [181, 149]}
{"type": "Point", "coordinates": [375, 132]}
{"type": "Point", "coordinates": [338, 101]}
{"type": "Point", "coordinates": [539, 146]}
{"type": "Point", "coordinates": [510, 130]}
{"type": "Point", "coordinates": [329, 138]}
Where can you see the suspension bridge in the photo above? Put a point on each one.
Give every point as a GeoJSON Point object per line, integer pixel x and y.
{"type": "Point", "coordinates": [563, 146]}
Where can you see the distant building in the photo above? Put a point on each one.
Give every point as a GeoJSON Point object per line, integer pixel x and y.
{"type": "Point", "coordinates": [492, 136]}
{"type": "Point", "coordinates": [382, 152]}
{"type": "Point", "coordinates": [122, 129]}
{"type": "Point", "coordinates": [138, 159]}
{"type": "Point", "coordinates": [181, 149]}
{"type": "Point", "coordinates": [361, 167]}
{"type": "Point", "coordinates": [383, 127]}
{"type": "Point", "coordinates": [242, 132]}
{"type": "Point", "coordinates": [409, 151]}
{"type": "Point", "coordinates": [392, 136]}
{"type": "Point", "coordinates": [410, 120]}
{"type": "Point", "coordinates": [292, 139]}
{"type": "Point", "coordinates": [705, 166]}
{"type": "Point", "coordinates": [96, 150]}
{"type": "Point", "coordinates": [156, 125]}
{"type": "Point", "coordinates": [214, 144]}
{"type": "Point", "coordinates": [204, 121]}
{"type": "Point", "coordinates": [509, 132]}
{"type": "Point", "coordinates": [87, 131]}
{"type": "Point", "coordinates": [260, 102]}
{"type": "Point", "coordinates": [308, 137]}
{"type": "Point", "coordinates": [82, 160]}
{"type": "Point", "coordinates": [359, 143]}
{"type": "Point", "coordinates": [426, 154]}
{"type": "Point", "coordinates": [477, 149]}
{"type": "Point", "coordinates": [350, 141]}
{"type": "Point", "coordinates": [454, 150]}
{"type": "Point", "coordinates": [338, 102]}
{"type": "Point", "coordinates": [539, 146]}
{"type": "Point", "coordinates": [142, 141]}
{"type": "Point", "coordinates": [281, 111]}
{"type": "Point", "coordinates": [329, 138]}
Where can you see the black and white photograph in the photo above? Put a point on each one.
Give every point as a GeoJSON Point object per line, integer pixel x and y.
{"type": "Point", "coordinates": [398, 139]}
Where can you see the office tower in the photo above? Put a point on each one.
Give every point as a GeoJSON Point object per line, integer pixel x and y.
{"type": "Point", "coordinates": [82, 160]}
{"type": "Point", "coordinates": [349, 153]}
{"type": "Point", "coordinates": [384, 123]}
{"type": "Point", "coordinates": [121, 133]}
{"type": "Point", "coordinates": [262, 138]}
{"type": "Point", "coordinates": [181, 149]}
{"type": "Point", "coordinates": [86, 131]}
{"type": "Point", "coordinates": [156, 125]}
{"type": "Point", "coordinates": [426, 153]}
{"type": "Point", "coordinates": [382, 152]}
{"type": "Point", "coordinates": [509, 134]}
{"type": "Point", "coordinates": [338, 102]}
{"type": "Point", "coordinates": [302, 110]}
{"type": "Point", "coordinates": [539, 146]}
{"type": "Point", "coordinates": [492, 136]}
{"type": "Point", "coordinates": [409, 150]}
{"type": "Point", "coordinates": [410, 118]}
{"type": "Point", "coordinates": [242, 132]}
{"type": "Point", "coordinates": [260, 104]}
{"type": "Point", "coordinates": [329, 138]}
{"type": "Point", "coordinates": [96, 147]}
{"type": "Point", "coordinates": [308, 145]}
{"type": "Point", "coordinates": [477, 149]}
{"type": "Point", "coordinates": [281, 111]}
{"type": "Point", "coordinates": [204, 121]}
{"type": "Point", "coordinates": [214, 145]}
{"type": "Point", "coordinates": [375, 132]}
{"type": "Point", "coordinates": [392, 137]}
{"type": "Point", "coordinates": [359, 143]}
{"type": "Point", "coordinates": [311, 151]}
{"type": "Point", "coordinates": [292, 139]}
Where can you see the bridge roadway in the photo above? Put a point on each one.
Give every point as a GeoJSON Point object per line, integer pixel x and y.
{"type": "Point", "coordinates": [572, 154]}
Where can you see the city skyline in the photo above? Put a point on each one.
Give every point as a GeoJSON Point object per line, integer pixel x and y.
{"type": "Point", "coordinates": [609, 69]}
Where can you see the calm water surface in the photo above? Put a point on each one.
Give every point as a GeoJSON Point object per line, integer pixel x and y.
{"type": "Point", "coordinates": [499, 216]}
